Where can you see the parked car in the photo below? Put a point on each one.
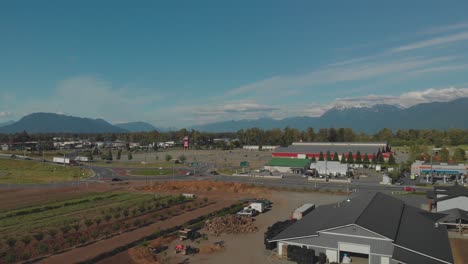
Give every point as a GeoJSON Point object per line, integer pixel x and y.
{"type": "Point", "coordinates": [409, 189]}
{"type": "Point", "coordinates": [116, 179]}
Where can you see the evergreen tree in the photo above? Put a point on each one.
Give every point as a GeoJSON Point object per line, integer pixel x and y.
{"type": "Point", "coordinates": [374, 158]}
{"type": "Point", "coordinates": [350, 159]}
{"type": "Point", "coordinates": [130, 156]}
{"type": "Point", "coordinates": [358, 157]}
{"type": "Point", "coordinates": [366, 159]}
{"type": "Point", "coordinates": [335, 157]}
{"type": "Point", "coordinates": [380, 159]}
{"type": "Point", "coordinates": [343, 158]}
{"type": "Point", "coordinates": [328, 155]}
{"type": "Point", "coordinates": [321, 156]}
{"type": "Point", "coordinates": [109, 155]}
{"type": "Point", "coordinates": [168, 157]}
{"type": "Point", "coordinates": [313, 159]}
{"type": "Point", "coordinates": [391, 160]}
{"type": "Point", "coordinates": [119, 153]}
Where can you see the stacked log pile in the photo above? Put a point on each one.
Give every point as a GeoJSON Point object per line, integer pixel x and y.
{"type": "Point", "coordinates": [231, 224]}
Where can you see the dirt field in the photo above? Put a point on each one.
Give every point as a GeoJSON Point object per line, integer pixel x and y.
{"type": "Point", "coordinates": [251, 244]}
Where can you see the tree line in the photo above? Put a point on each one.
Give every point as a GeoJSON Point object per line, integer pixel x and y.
{"type": "Point", "coordinates": [256, 136]}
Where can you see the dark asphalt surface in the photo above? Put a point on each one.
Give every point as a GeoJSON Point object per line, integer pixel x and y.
{"type": "Point", "coordinates": [102, 174]}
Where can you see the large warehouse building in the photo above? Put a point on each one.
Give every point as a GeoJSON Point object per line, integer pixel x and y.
{"type": "Point", "coordinates": [371, 228]}
{"type": "Point", "coordinates": [302, 150]}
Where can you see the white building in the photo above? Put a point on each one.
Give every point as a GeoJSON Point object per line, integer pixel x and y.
{"type": "Point", "coordinates": [329, 167]}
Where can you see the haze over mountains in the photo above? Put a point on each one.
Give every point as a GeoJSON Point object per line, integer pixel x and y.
{"type": "Point", "coordinates": [435, 115]}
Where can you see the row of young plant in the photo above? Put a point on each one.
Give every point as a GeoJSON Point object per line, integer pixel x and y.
{"type": "Point", "coordinates": [100, 229]}
{"type": "Point", "coordinates": [197, 222]}
{"type": "Point", "coordinates": [52, 206]}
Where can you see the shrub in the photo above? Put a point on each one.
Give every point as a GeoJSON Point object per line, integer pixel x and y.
{"type": "Point", "coordinates": [26, 255]}
{"type": "Point", "coordinates": [52, 233]}
{"type": "Point", "coordinates": [71, 241]}
{"type": "Point", "coordinates": [117, 215]}
{"type": "Point", "coordinates": [209, 189]}
{"type": "Point", "coordinates": [141, 208]}
{"type": "Point", "coordinates": [39, 236]}
{"type": "Point", "coordinates": [26, 240]}
{"type": "Point", "coordinates": [56, 247]}
{"type": "Point", "coordinates": [205, 199]}
{"type": "Point", "coordinates": [126, 213]}
{"type": "Point", "coordinates": [116, 227]}
{"type": "Point", "coordinates": [43, 248]}
{"type": "Point", "coordinates": [154, 215]}
{"type": "Point", "coordinates": [10, 258]}
{"type": "Point", "coordinates": [127, 225]}
{"type": "Point", "coordinates": [95, 234]}
{"type": "Point", "coordinates": [136, 222]}
{"type": "Point", "coordinates": [65, 229]}
{"type": "Point", "coordinates": [83, 239]}
{"type": "Point", "coordinates": [106, 233]}
{"type": "Point", "coordinates": [157, 205]}
{"type": "Point", "coordinates": [88, 222]}
{"type": "Point", "coordinates": [97, 220]}
{"type": "Point", "coordinates": [76, 226]}
{"type": "Point", "coordinates": [182, 206]}
{"type": "Point", "coordinates": [11, 241]}
{"type": "Point", "coordinates": [134, 212]}
{"type": "Point", "coordinates": [189, 207]}
{"type": "Point", "coordinates": [108, 217]}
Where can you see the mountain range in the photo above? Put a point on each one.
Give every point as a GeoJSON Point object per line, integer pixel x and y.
{"type": "Point", "coordinates": [435, 115]}
{"type": "Point", "coordinates": [55, 123]}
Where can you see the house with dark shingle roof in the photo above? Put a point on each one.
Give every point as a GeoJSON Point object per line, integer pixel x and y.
{"type": "Point", "coordinates": [375, 227]}
{"type": "Point", "coordinates": [443, 198]}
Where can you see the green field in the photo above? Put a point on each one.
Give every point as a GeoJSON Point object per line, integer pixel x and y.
{"type": "Point", "coordinates": [130, 164]}
{"type": "Point", "coordinates": [154, 172]}
{"type": "Point", "coordinates": [40, 217]}
{"type": "Point", "coordinates": [30, 172]}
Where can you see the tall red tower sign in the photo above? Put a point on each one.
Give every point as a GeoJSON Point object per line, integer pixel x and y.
{"type": "Point", "coordinates": [186, 143]}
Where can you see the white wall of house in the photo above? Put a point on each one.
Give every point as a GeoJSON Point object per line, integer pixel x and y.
{"type": "Point", "coordinates": [460, 202]}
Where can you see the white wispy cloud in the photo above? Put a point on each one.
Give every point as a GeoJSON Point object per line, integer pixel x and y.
{"type": "Point", "coordinates": [337, 74]}
{"type": "Point", "coordinates": [445, 28]}
{"type": "Point", "coordinates": [406, 99]}
{"type": "Point", "coordinates": [437, 41]}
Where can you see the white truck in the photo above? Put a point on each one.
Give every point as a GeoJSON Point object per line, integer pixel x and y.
{"type": "Point", "coordinates": [259, 207]}
{"type": "Point", "coordinates": [82, 158]}
{"type": "Point", "coordinates": [302, 211]}
{"type": "Point", "coordinates": [63, 160]}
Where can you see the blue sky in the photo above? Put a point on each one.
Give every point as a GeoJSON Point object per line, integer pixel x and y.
{"type": "Point", "coordinates": [180, 63]}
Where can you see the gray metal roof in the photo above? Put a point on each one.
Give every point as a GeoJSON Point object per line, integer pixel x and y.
{"type": "Point", "coordinates": [419, 233]}
{"type": "Point", "coordinates": [454, 215]}
{"type": "Point", "coordinates": [340, 149]}
{"type": "Point", "coordinates": [400, 254]}
{"type": "Point", "coordinates": [449, 191]}
{"type": "Point", "coordinates": [382, 214]}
